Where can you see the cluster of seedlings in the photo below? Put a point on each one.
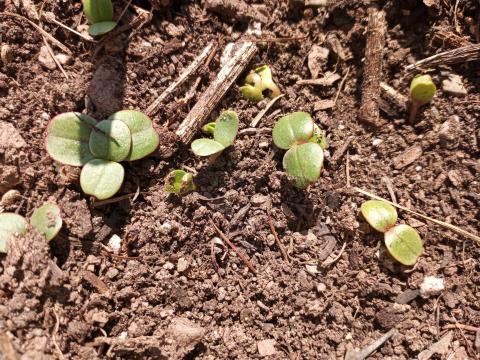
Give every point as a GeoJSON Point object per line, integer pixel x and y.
{"type": "Point", "coordinates": [99, 14]}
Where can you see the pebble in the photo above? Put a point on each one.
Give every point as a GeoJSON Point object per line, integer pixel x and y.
{"type": "Point", "coordinates": [115, 244]}
{"type": "Point", "coordinates": [431, 286]}
{"type": "Point", "coordinates": [453, 85]}
{"type": "Point", "coordinates": [6, 54]}
{"type": "Point", "coordinates": [377, 142]}
{"type": "Point", "coordinates": [182, 265]}
{"type": "Point", "coordinates": [263, 144]}
{"type": "Point", "coordinates": [317, 58]}
{"type": "Point", "coordinates": [267, 347]}
{"type": "Point", "coordinates": [168, 266]}
{"type": "Point", "coordinates": [165, 228]}
{"type": "Point", "coordinates": [418, 168]}
{"type": "Point", "coordinates": [10, 198]}
{"type": "Point", "coordinates": [258, 199]}
{"type": "Point", "coordinates": [112, 273]}
{"type": "Point", "coordinates": [46, 59]}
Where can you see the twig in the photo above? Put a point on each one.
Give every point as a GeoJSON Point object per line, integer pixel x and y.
{"type": "Point", "coordinates": [240, 254]}
{"type": "Point", "coordinates": [43, 32]}
{"type": "Point", "coordinates": [273, 40]}
{"type": "Point", "coordinates": [260, 115]}
{"type": "Point", "coordinates": [100, 203]}
{"type": "Point", "coordinates": [277, 240]}
{"type": "Point", "coordinates": [215, 92]}
{"type": "Point", "coordinates": [55, 21]}
{"type": "Point", "coordinates": [435, 221]}
{"type": "Point", "coordinates": [95, 281]}
{"type": "Point", "coordinates": [347, 170]}
{"type": "Point", "coordinates": [341, 86]}
{"type": "Point", "coordinates": [365, 352]}
{"type": "Point", "coordinates": [55, 331]}
{"type": "Point", "coordinates": [328, 262]}
{"type": "Point", "coordinates": [52, 54]}
{"type": "Point", "coordinates": [461, 326]}
{"type": "Point", "coordinates": [459, 55]}
{"type": "Point", "coordinates": [193, 67]}
{"type": "Point", "coordinates": [389, 185]}
{"type": "Point", "coordinates": [252, 131]}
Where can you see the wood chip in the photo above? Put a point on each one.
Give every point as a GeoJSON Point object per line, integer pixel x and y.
{"type": "Point", "coordinates": [407, 157]}
{"type": "Point", "coordinates": [95, 281]}
{"type": "Point", "coordinates": [328, 80]}
{"type": "Point", "coordinates": [440, 347]}
{"type": "Point", "coordinates": [323, 104]}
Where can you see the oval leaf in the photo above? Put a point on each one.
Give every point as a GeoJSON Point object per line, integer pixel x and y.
{"type": "Point", "coordinates": [10, 225]}
{"type": "Point", "coordinates": [98, 10]}
{"type": "Point", "coordinates": [179, 182]}
{"type": "Point", "coordinates": [145, 138]}
{"type": "Point", "coordinates": [101, 178]}
{"type": "Point", "coordinates": [379, 214]}
{"type": "Point", "coordinates": [226, 128]}
{"type": "Point", "coordinates": [304, 162]}
{"type": "Point", "coordinates": [293, 128]}
{"type": "Point", "coordinates": [67, 138]}
{"type": "Point", "coordinates": [47, 220]}
{"type": "Point", "coordinates": [101, 28]}
{"type": "Point", "coordinates": [111, 140]}
{"type": "Point", "coordinates": [422, 89]}
{"type": "Point", "coordinates": [206, 147]}
{"type": "Point", "coordinates": [404, 244]}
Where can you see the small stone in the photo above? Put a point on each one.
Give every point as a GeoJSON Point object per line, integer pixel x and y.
{"type": "Point", "coordinates": [165, 228]}
{"type": "Point", "coordinates": [406, 296]}
{"type": "Point", "coordinates": [174, 30]}
{"type": "Point", "coordinates": [321, 287]}
{"type": "Point", "coordinates": [270, 240]}
{"type": "Point", "coordinates": [168, 266]}
{"type": "Point", "coordinates": [418, 168]}
{"type": "Point", "coordinates": [317, 58]}
{"type": "Point", "coordinates": [377, 142]}
{"type": "Point", "coordinates": [6, 54]}
{"type": "Point", "coordinates": [9, 177]}
{"type": "Point", "coordinates": [112, 273]}
{"type": "Point", "coordinates": [323, 104]}
{"type": "Point", "coordinates": [221, 294]}
{"type": "Point", "coordinates": [263, 144]}
{"type": "Point", "coordinates": [46, 59]}
{"type": "Point", "coordinates": [449, 133]}
{"type": "Point", "coordinates": [64, 59]}
{"type": "Point", "coordinates": [407, 157]}
{"type": "Point", "coordinates": [431, 286]}
{"type": "Point", "coordinates": [100, 317]}
{"type": "Point", "coordinates": [453, 85]}
{"type": "Point", "coordinates": [258, 199]}
{"type": "Point", "coordinates": [267, 347]}
{"type": "Point", "coordinates": [455, 177]}
{"type": "Point", "coordinates": [10, 198]}
{"type": "Point", "coordinates": [182, 265]}
{"type": "Point", "coordinates": [115, 244]}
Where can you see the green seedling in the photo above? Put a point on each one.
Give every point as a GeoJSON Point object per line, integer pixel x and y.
{"type": "Point", "coordinates": [224, 134]}
{"type": "Point", "coordinates": [100, 15]}
{"type": "Point", "coordinates": [257, 83]}
{"type": "Point", "coordinates": [67, 138]}
{"type": "Point", "coordinates": [209, 128]}
{"type": "Point", "coordinates": [47, 220]}
{"type": "Point", "coordinates": [116, 146]}
{"type": "Point", "coordinates": [10, 225]}
{"type": "Point", "coordinates": [402, 241]}
{"type": "Point", "coordinates": [101, 178]}
{"type": "Point", "coordinates": [145, 138]}
{"type": "Point", "coordinates": [179, 182]}
{"type": "Point", "coordinates": [422, 91]}
{"type": "Point", "coordinates": [304, 142]}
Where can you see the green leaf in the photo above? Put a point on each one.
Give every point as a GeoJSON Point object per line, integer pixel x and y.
{"type": "Point", "coordinates": [294, 128]}
{"type": "Point", "coordinates": [101, 178]}
{"type": "Point", "coordinates": [206, 147]}
{"type": "Point", "coordinates": [144, 137]}
{"type": "Point", "coordinates": [98, 10]}
{"type": "Point", "coordinates": [101, 28]}
{"type": "Point", "coordinates": [226, 128]}
{"type": "Point", "coordinates": [47, 220]}
{"type": "Point", "coordinates": [304, 162]}
{"type": "Point", "coordinates": [10, 225]}
{"type": "Point", "coordinates": [179, 182]}
{"type": "Point", "coordinates": [67, 138]}
{"type": "Point", "coordinates": [380, 215]}
{"type": "Point", "coordinates": [209, 128]}
{"type": "Point", "coordinates": [422, 89]}
{"type": "Point", "coordinates": [251, 93]}
{"type": "Point", "coordinates": [404, 244]}
{"type": "Point", "coordinates": [111, 140]}
{"type": "Point", "coordinates": [267, 82]}
{"type": "Point", "coordinates": [319, 137]}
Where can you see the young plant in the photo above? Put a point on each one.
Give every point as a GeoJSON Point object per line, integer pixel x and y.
{"type": "Point", "coordinates": [402, 241]}
{"type": "Point", "coordinates": [224, 134]}
{"type": "Point", "coordinates": [100, 15]}
{"type": "Point", "coordinates": [422, 91]}
{"type": "Point", "coordinates": [10, 225]}
{"type": "Point", "coordinates": [304, 142]}
{"type": "Point", "coordinates": [179, 182]}
{"type": "Point", "coordinates": [257, 82]}
{"type": "Point", "coordinates": [78, 140]}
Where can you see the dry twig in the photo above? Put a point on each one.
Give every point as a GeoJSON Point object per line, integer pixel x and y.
{"type": "Point", "coordinates": [365, 352]}
{"type": "Point", "coordinates": [260, 115]}
{"type": "Point", "coordinates": [277, 240]}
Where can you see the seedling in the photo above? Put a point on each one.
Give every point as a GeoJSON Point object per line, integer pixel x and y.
{"type": "Point", "coordinates": [179, 182]}
{"type": "Point", "coordinates": [78, 140]}
{"type": "Point", "coordinates": [224, 134]}
{"type": "Point", "coordinates": [422, 91]}
{"type": "Point", "coordinates": [257, 83]}
{"type": "Point", "coordinates": [304, 142]}
{"type": "Point", "coordinates": [47, 220]}
{"type": "Point", "coordinates": [402, 241]}
{"type": "Point", "coordinates": [100, 15]}
{"type": "Point", "coordinates": [10, 225]}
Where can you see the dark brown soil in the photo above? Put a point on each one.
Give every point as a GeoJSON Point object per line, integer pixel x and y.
{"type": "Point", "coordinates": [162, 297]}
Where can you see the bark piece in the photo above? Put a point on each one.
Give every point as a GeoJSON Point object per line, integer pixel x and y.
{"type": "Point", "coordinates": [407, 157]}
{"type": "Point", "coordinates": [373, 72]}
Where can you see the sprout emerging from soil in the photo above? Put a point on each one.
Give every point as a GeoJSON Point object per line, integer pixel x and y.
{"type": "Point", "coordinates": [10, 225]}
{"type": "Point", "coordinates": [422, 91]}
{"type": "Point", "coordinates": [402, 241]}
{"type": "Point", "coordinates": [257, 83]}
{"type": "Point", "coordinates": [304, 142]}
{"type": "Point", "coordinates": [224, 134]}
{"type": "Point", "coordinates": [179, 182]}
{"type": "Point", "coordinates": [78, 140]}
{"type": "Point", "coordinates": [100, 15]}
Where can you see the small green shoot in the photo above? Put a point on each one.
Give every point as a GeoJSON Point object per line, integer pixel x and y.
{"type": "Point", "coordinates": [258, 82]}
{"type": "Point", "coordinates": [47, 220]}
{"type": "Point", "coordinates": [101, 178]}
{"type": "Point", "coordinates": [179, 182]}
{"type": "Point", "coordinates": [112, 142]}
{"type": "Point", "coordinates": [402, 241]}
{"type": "Point", "coordinates": [67, 138]}
{"type": "Point", "coordinates": [224, 134]}
{"type": "Point", "coordinates": [100, 15]}
{"type": "Point", "coordinates": [10, 225]}
{"type": "Point", "coordinates": [422, 91]}
{"type": "Point", "coordinates": [209, 128]}
{"type": "Point", "coordinates": [304, 142]}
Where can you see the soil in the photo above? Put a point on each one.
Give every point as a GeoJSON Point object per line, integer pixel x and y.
{"type": "Point", "coordinates": [163, 297]}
